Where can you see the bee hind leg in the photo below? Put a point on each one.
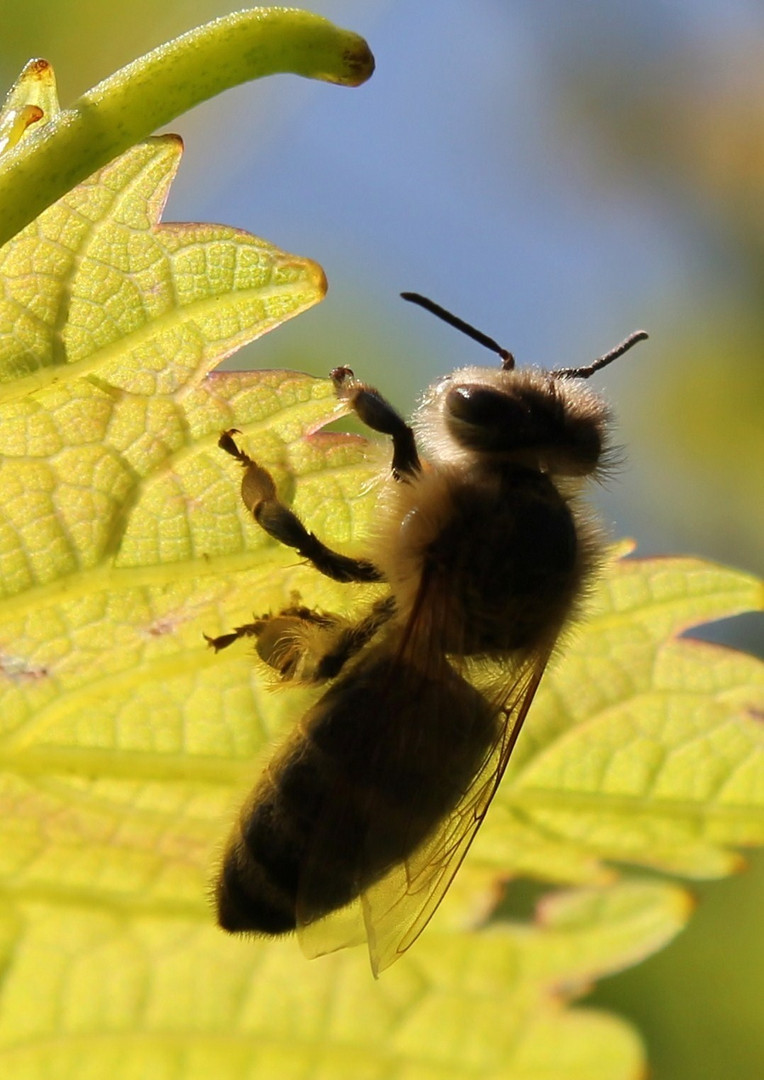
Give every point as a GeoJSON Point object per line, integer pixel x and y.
{"type": "Point", "coordinates": [378, 414]}
{"type": "Point", "coordinates": [258, 491]}
{"type": "Point", "coordinates": [306, 646]}
{"type": "Point", "coordinates": [353, 638]}
{"type": "Point", "coordinates": [222, 641]}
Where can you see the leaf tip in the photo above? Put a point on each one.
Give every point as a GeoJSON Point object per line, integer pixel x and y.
{"type": "Point", "coordinates": [355, 61]}
{"type": "Point", "coordinates": [359, 62]}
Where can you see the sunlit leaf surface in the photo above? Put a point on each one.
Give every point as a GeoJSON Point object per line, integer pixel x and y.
{"type": "Point", "coordinates": [103, 993]}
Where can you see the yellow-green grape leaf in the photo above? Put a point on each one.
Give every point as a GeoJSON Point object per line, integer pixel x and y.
{"type": "Point", "coordinates": [95, 992]}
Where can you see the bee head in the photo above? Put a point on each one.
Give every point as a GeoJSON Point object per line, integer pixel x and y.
{"type": "Point", "coordinates": [525, 417]}
{"type": "Point", "coordinates": [547, 420]}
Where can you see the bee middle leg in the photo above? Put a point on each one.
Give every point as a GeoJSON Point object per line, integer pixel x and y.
{"type": "Point", "coordinates": [258, 492]}
{"type": "Point", "coordinates": [378, 414]}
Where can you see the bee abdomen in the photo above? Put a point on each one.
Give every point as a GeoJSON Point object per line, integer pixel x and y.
{"type": "Point", "coordinates": [382, 757]}
{"type": "Point", "coordinates": [404, 747]}
{"type": "Point", "coordinates": [439, 730]}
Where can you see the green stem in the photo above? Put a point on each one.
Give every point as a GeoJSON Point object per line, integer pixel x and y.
{"type": "Point", "coordinates": [152, 91]}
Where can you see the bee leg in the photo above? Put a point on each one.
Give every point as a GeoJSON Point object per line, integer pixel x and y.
{"type": "Point", "coordinates": [306, 646]}
{"type": "Point", "coordinates": [259, 494]}
{"type": "Point", "coordinates": [378, 414]}
{"type": "Point", "coordinates": [292, 642]}
{"type": "Point", "coordinates": [354, 638]}
{"type": "Point", "coordinates": [257, 626]}
{"type": "Point", "coordinates": [253, 629]}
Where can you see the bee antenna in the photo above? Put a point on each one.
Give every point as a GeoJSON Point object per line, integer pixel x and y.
{"type": "Point", "coordinates": [507, 359]}
{"type": "Point", "coordinates": [602, 361]}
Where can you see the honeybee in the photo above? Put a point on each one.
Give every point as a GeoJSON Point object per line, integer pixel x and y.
{"type": "Point", "coordinates": [363, 817]}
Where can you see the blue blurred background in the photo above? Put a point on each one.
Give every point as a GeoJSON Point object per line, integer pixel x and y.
{"type": "Point", "coordinates": [558, 174]}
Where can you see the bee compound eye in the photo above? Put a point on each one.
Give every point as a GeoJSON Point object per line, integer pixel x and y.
{"type": "Point", "coordinates": [480, 405]}
{"type": "Point", "coordinates": [487, 412]}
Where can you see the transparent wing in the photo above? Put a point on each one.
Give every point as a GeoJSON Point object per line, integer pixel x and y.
{"type": "Point", "coordinates": [398, 907]}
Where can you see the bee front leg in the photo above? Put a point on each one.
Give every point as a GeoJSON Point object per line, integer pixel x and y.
{"type": "Point", "coordinates": [259, 494]}
{"type": "Point", "coordinates": [378, 414]}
